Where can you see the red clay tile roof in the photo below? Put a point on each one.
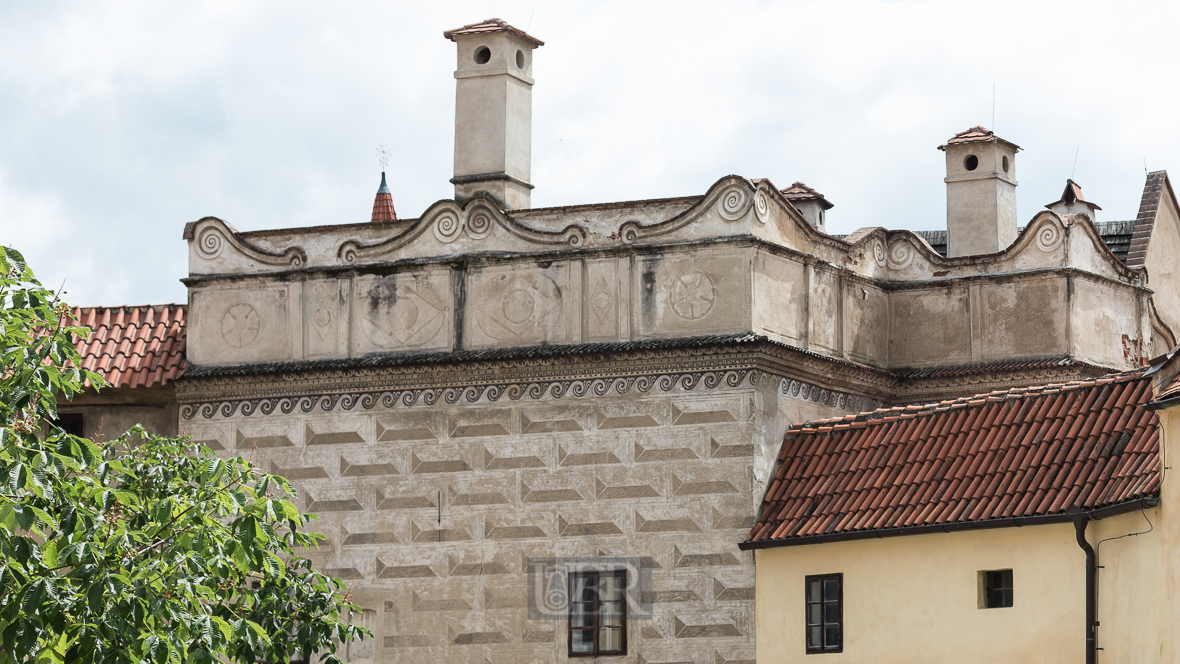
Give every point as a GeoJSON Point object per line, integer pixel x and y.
{"type": "Point", "coordinates": [1024, 452]}
{"type": "Point", "coordinates": [801, 192]}
{"type": "Point", "coordinates": [1073, 193]}
{"type": "Point", "coordinates": [383, 204]}
{"type": "Point", "coordinates": [488, 26]}
{"type": "Point", "coordinates": [975, 135]}
{"type": "Point", "coordinates": [134, 346]}
{"type": "Point", "coordinates": [1170, 391]}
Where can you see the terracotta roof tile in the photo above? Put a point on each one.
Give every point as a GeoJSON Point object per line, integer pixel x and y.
{"type": "Point", "coordinates": [134, 346]}
{"type": "Point", "coordinates": [1171, 390]}
{"type": "Point", "coordinates": [801, 192]}
{"type": "Point", "coordinates": [1017, 453]}
{"type": "Point", "coordinates": [489, 26]}
{"type": "Point", "coordinates": [383, 204]}
{"type": "Point", "coordinates": [1073, 194]}
{"type": "Point", "coordinates": [975, 135]}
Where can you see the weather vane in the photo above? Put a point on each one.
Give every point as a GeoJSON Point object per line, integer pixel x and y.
{"type": "Point", "coordinates": [383, 156]}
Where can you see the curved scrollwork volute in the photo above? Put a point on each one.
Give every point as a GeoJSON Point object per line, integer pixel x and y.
{"type": "Point", "coordinates": [211, 238]}
{"type": "Point", "coordinates": [477, 220]}
{"type": "Point", "coordinates": [444, 217]}
{"type": "Point", "coordinates": [731, 196]}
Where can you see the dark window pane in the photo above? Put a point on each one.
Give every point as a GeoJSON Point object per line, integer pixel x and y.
{"type": "Point", "coordinates": [1006, 578]}
{"type": "Point", "coordinates": [1005, 598]}
{"type": "Point", "coordinates": [71, 423]}
{"type": "Point", "coordinates": [831, 589]}
{"type": "Point", "coordinates": [832, 636]}
{"type": "Point", "coordinates": [831, 613]}
{"type": "Point", "coordinates": [813, 614]}
{"type": "Point", "coordinates": [813, 590]}
{"type": "Point", "coordinates": [813, 637]}
{"type": "Point", "coordinates": [582, 640]}
{"type": "Point", "coordinates": [583, 589]}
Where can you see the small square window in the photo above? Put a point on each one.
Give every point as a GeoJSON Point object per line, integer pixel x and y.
{"type": "Point", "coordinates": [71, 423]}
{"type": "Point", "coordinates": [824, 613]}
{"type": "Point", "coordinates": [995, 589]}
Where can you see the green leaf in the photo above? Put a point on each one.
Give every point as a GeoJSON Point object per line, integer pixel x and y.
{"type": "Point", "coordinates": [226, 631]}
{"type": "Point", "coordinates": [49, 553]}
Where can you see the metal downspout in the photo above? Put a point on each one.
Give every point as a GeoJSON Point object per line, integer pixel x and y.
{"type": "Point", "coordinates": [1079, 525]}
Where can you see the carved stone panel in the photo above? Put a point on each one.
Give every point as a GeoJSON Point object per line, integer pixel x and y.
{"type": "Point", "coordinates": [929, 328]}
{"type": "Point", "coordinates": [520, 304]}
{"type": "Point", "coordinates": [780, 297]}
{"type": "Point", "coordinates": [325, 318]}
{"type": "Point", "coordinates": [866, 323]}
{"type": "Point", "coordinates": [824, 311]}
{"type": "Point", "coordinates": [239, 327]}
{"type": "Point", "coordinates": [602, 303]}
{"type": "Point", "coordinates": [693, 293]}
{"type": "Point", "coordinates": [404, 311]}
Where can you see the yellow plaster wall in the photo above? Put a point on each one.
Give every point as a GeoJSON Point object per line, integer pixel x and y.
{"type": "Point", "coordinates": [1169, 541]}
{"type": "Point", "coordinates": [916, 599]}
{"type": "Point", "coordinates": [1131, 595]}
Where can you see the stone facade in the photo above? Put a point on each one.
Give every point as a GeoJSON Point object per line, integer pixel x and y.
{"type": "Point", "coordinates": [486, 385]}
{"type": "Point", "coordinates": [460, 393]}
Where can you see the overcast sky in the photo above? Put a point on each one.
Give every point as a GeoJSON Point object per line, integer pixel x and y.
{"type": "Point", "coordinates": [121, 121]}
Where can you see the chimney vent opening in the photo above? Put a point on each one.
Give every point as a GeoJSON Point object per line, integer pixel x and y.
{"type": "Point", "coordinates": [520, 62]}
{"type": "Point", "coordinates": [1004, 164]}
{"type": "Point", "coordinates": [483, 54]}
{"type": "Point", "coordinates": [971, 162]}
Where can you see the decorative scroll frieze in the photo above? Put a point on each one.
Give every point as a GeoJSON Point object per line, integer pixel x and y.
{"type": "Point", "coordinates": [450, 221]}
{"type": "Point", "coordinates": [485, 394]}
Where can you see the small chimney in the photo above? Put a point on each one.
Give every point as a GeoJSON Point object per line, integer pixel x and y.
{"type": "Point", "coordinates": [493, 113]}
{"type": "Point", "coordinates": [810, 203]}
{"type": "Point", "coordinates": [1072, 202]}
{"type": "Point", "coordinates": [980, 193]}
{"type": "Point", "coordinates": [383, 204]}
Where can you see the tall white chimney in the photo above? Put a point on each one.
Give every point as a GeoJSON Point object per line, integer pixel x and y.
{"type": "Point", "coordinates": [493, 112]}
{"type": "Point", "coordinates": [980, 193]}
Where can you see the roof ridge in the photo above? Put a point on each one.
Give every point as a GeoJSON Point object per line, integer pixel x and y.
{"type": "Point", "coordinates": [1018, 392]}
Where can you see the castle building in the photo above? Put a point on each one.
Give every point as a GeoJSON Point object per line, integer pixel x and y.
{"type": "Point", "coordinates": [534, 434]}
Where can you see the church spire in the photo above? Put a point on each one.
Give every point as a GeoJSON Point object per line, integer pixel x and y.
{"type": "Point", "coordinates": [383, 204]}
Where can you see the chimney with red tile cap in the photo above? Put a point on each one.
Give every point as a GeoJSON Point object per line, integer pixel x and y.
{"type": "Point", "coordinates": [980, 193]}
{"type": "Point", "coordinates": [494, 113]}
{"type": "Point", "coordinates": [383, 204]}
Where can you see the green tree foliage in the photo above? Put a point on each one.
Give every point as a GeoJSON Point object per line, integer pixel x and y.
{"type": "Point", "coordinates": [144, 549]}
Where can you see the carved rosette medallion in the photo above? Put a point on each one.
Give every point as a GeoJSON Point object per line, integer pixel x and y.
{"type": "Point", "coordinates": [322, 317]}
{"type": "Point", "coordinates": [733, 203]}
{"type": "Point", "coordinates": [514, 305]}
{"type": "Point", "coordinates": [479, 224]}
{"type": "Point", "coordinates": [447, 226]}
{"type": "Point", "coordinates": [210, 243]}
{"type": "Point", "coordinates": [240, 325]}
{"type": "Point", "coordinates": [901, 254]}
{"type": "Point", "coordinates": [1049, 236]}
{"type": "Point", "coordinates": [406, 316]}
{"type": "Point", "coordinates": [762, 207]}
{"type": "Point", "coordinates": [692, 295]}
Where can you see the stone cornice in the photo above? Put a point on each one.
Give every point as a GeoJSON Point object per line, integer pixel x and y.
{"type": "Point", "coordinates": [557, 373]}
{"type": "Point", "coordinates": [835, 382]}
